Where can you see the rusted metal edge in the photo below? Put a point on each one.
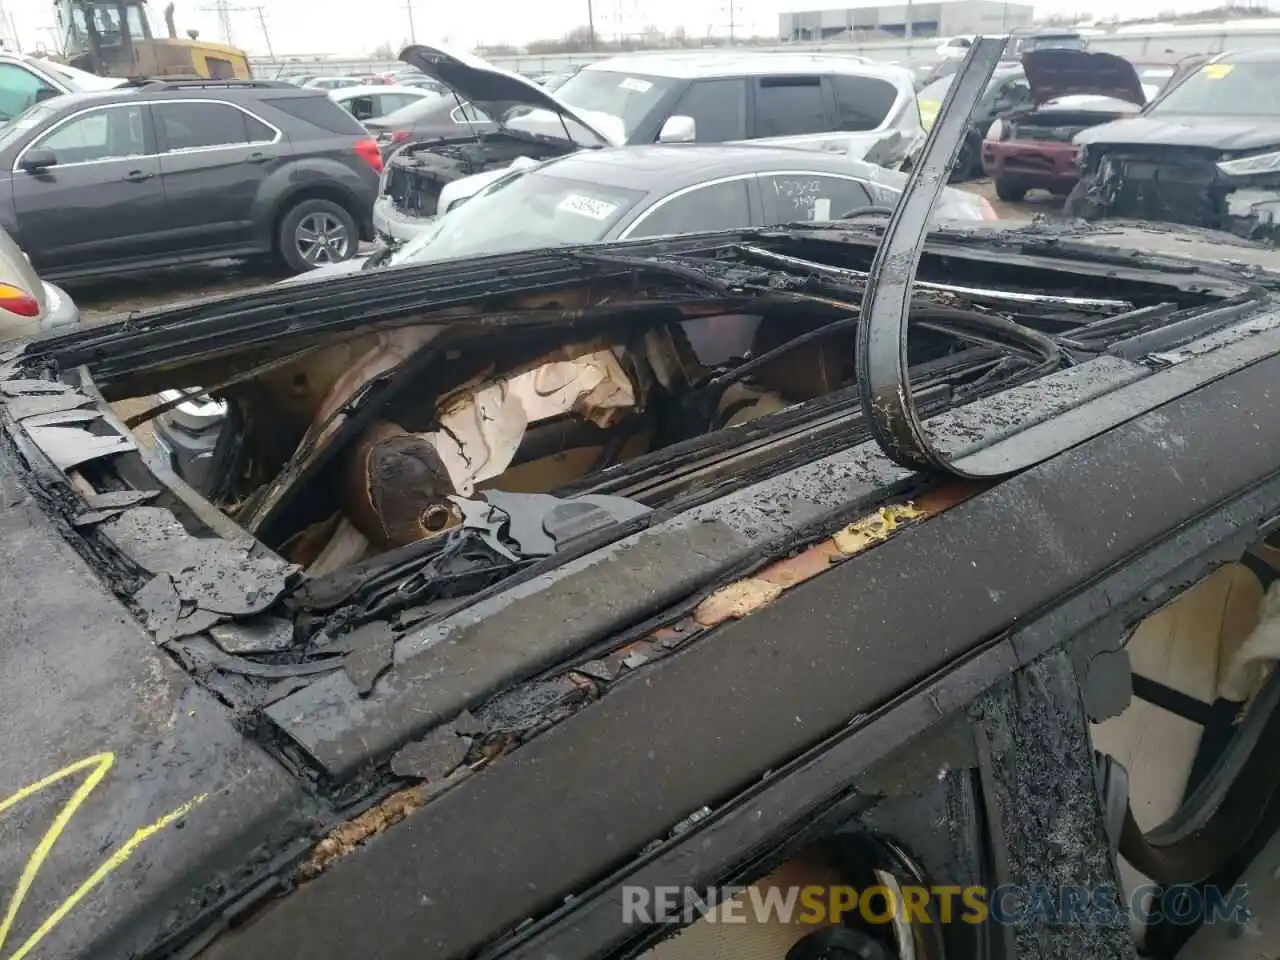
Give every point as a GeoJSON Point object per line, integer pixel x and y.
{"type": "Point", "coordinates": [750, 594]}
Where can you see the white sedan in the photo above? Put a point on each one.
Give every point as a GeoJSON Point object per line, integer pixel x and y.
{"type": "Point", "coordinates": [374, 101]}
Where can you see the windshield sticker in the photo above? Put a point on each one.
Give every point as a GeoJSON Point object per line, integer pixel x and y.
{"type": "Point", "coordinates": [1216, 71]}
{"type": "Point", "coordinates": [587, 206]}
{"type": "Point", "coordinates": [821, 210]}
{"type": "Point", "coordinates": [635, 84]}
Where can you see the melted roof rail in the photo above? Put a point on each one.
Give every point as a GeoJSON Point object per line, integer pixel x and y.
{"type": "Point", "coordinates": [1005, 296]}
{"type": "Point", "coordinates": [881, 356]}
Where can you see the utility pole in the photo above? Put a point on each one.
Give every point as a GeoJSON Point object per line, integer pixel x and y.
{"type": "Point", "coordinates": [591, 26]}
{"type": "Point", "coordinates": [223, 9]}
{"type": "Point", "coordinates": [413, 34]}
{"type": "Point", "coordinates": [266, 34]}
{"type": "Point", "coordinates": [9, 30]}
{"type": "Point", "coordinates": [732, 10]}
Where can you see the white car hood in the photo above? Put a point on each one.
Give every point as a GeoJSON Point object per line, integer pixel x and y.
{"type": "Point", "coordinates": [491, 88]}
{"type": "Point", "coordinates": [76, 80]}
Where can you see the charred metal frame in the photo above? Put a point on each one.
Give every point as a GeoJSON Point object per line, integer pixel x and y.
{"type": "Point", "coordinates": [881, 356]}
{"type": "Point", "coordinates": [596, 776]}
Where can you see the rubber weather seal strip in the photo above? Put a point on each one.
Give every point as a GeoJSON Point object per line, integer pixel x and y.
{"type": "Point", "coordinates": [887, 404]}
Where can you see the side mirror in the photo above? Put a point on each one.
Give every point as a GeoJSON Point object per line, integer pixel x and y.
{"type": "Point", "coordinates": [678, 129]}
{"type": "Point", "coordinates": [45, 93]}
{"type": "Point", "coordinates": [34, 161]}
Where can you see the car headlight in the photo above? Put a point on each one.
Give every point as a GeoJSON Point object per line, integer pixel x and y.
{"type": "Point", "coordinates": [1251, 166]}
{"type": "Point", "coordinates": [996, 130]}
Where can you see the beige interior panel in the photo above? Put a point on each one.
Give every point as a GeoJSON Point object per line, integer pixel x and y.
{"type": "Point", "coordinates": [1182, 646]}
{"type": "Point", "coordinates": [1187, 646]}
{"type": "Point", "coordinates": [749, 940]}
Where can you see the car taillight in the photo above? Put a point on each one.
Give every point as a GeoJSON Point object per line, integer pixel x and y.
{"type": "Point", "coordinates": [18, 301]}
{"type": "Point", "coordinates": [988, 211]}
{"type": "Point", "coordinates": [369, 151]}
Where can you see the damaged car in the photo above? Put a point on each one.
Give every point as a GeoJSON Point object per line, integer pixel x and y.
{"type": "Point", "coordinates": [1069, 91]}
{"type": "Point", "coordinates": [1007, 91]}
{"type": "Point", "coordinates": [1206, 153]}
{"type": "Point", "coordinates": [866, 111]}
{"type": "Point", "coordinates": [564, 602]}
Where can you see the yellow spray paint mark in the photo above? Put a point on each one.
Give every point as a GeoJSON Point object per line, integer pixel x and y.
{"type": "Point", "coordinates": [1216, 71]}
{"type": "Point", "coordinates": [98, 766]}
{"type": "Point", "coordinates": [929, 113]}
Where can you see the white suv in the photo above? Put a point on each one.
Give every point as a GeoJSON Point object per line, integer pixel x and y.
{"type": "Point", "coordinates": [25, 81]}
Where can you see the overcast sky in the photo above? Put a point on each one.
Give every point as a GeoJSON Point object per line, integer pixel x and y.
{"type": "Point", "coordinates": [355, 27]}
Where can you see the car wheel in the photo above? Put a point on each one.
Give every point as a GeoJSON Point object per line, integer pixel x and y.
{"type": "Point", "coordinates": [1010, 191]}
{"type": "Point", "coordinates": [968, 163]}
{"type": "Point", "coordinates": [1078, 205]}
{"type": "Point", "coordinates": [316, 233]}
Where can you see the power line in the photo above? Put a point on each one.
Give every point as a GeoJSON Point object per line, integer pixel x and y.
{"type": "Point", "coordinates": [266, 34]}
{"type": "Point", "coordinates": [225, 9]}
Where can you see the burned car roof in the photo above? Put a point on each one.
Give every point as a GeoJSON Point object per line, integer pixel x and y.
{"type": "Point", "coordinates": [409, 670]}
{"type": "Point", "coordinates": [626, 544]}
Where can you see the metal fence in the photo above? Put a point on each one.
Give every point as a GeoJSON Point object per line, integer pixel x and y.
{"type": "Point", "coordinates": [1190, 39]}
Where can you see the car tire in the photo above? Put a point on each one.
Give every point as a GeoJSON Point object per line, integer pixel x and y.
{"type": "Point", "coordinates": [968, 163]}
{"type": "Point", "coordinates": [1010, 191]}
{"type": "Point", "coordinates": [315, 233]}
{"type": "Point", "coordinates": [1078, 206]}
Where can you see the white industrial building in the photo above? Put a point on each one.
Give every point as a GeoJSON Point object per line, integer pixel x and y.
{"type": "Point", "coordinates": [937, 18]}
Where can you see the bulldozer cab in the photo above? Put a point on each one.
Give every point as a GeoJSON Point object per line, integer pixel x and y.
{"type": "Point", "coordinates": [114, 38]}
{"type": "Point", "coordinates": [97, 34]}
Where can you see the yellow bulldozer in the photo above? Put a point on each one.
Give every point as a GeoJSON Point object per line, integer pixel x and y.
{"type": "Point", "coordinates": [113, 38]}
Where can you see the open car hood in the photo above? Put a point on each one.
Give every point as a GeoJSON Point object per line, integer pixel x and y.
{"type": "Point", "coordinates": [1059, 73]}
{"type": "Point", "coordinates": [491, 88]}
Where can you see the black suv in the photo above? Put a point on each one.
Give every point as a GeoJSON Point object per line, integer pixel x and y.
{"type": "Point", "coordinates": [163, 172]}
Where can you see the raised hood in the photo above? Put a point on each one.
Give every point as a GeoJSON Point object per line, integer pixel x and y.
{"type": "Point", "coordinates": [492, 89]}
{"type": "Point", "coordinates": [1060, 73]}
